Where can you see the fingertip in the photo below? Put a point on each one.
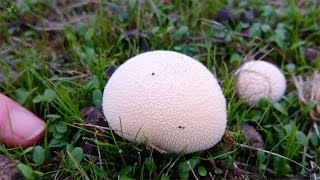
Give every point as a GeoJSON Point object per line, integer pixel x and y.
{"type": "Point", "coordinates": [18, 126]}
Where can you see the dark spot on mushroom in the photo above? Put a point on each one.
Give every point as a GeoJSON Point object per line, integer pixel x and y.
{"type": "Point", "coordinates": [181, 127]}
{"type": "Point", "coordinates": [153, 74]}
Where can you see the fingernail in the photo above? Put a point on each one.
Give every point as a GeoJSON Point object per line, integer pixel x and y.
{"type": "Point", "coordinates": [25, 125]}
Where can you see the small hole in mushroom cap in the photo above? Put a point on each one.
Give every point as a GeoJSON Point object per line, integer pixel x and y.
{"type": "Point", "coordinates": [153, 74]}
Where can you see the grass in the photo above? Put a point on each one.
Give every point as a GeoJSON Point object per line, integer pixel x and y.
{"type": "Point", "coordinates": [56, 57]}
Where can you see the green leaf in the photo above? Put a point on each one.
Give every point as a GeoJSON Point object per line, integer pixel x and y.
{"type": "Point", "coordinates": [126, 170]}
{"type": "Point", "coordinates": [76, 137]}
{"type": "Point", "coordinates": [183, 30]}
{"type": "Point", "coordinates": [263, 103]}
{"type": "Point", "coordinates": [26, 171]}
{"type": "Point", "coordinates": [165, 178]}
{"type": "Point", "coordinates": [150, 164]}
{"type": "Point", "coordinates": [77, 154]}
{"type": "Point", "coordinates": [53, 117]}
{"type": "Point", "coordinates": [265, 28]}
{"type": "Point", "coordinates": [281, 32]}
{"type": "Point", "coordinates": [11, 8]}
{"type": "Point", "coordinates": [124, 177]}
{"type": "Point", "coordinates": [261, 156]}
{"type": "Point", "coordinates": [262, 167]}
{"type": "Point", "coordinates": [287, 128]}
{"type": "Point", "coordinates": [37, 99]}
{"type": "Point", "coordinates": [267, 10]}
{"type": "Point", "coordinates": [22, 95]}
{"type": "Point", "coordinates": [255, 29]}
{"type": "Point", "coordinates": [97, 98]}
{"type": "Point", "coordinates": [61, 127]}
{"type": "Point", "coordinates": [306, 109]}
{"type": "Point", "coordinates": [49, 95]}
{"type": "Point", "coordinates": [57, 142]}
{"type": "Point", "coordinates": [202, 171]}
{"type": "Point", "coordinates": [90, 54]}
{"type": "Point", "coordinates": [57, 134]}
{"type": "Point", "coordinates": [38, 175]}
{"type": "Point", "coordinates": [169, 28]}
{"type": "Point", "coordinates": [38, 155]}
{"type": "Point", "coordinates": [218, 171]}
{"type": "Point", "coordinates": [314, 139]}
{"type": "Point", "coordinates": [75, 157]}
{"type": "Point", "coordinates": [89, 34]}
{"type": "Point", "coordinates": [196, 159]}
{"type": "Point", "coordinates": [235, 59]}
{"type": "Point", "coordinates": [301, 138]}
{"type": "Point", "coordinates": [187, 165]}
{"type": "Point", "coordinates": [95, 81]}
{"type": "Point", "coordinates": [155, 29]}
{"type": "Point", "coordinates": [281, 36]}
{"type": "Point", "coordinates": [290, 67]}
{"type": "Point", "coordinates": [280, 108]}
{"type": "Point", "coordinates": [184, 175]}
{"type": "Point", "coordinates": [254, 115]}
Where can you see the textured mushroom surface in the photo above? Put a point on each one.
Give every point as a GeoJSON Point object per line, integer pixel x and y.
{"type": "Point", "coordinates": [168, 99]}
{"type": "Point", "coordinates": [260, 79]}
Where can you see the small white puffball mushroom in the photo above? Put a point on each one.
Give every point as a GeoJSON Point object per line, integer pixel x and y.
{"type": "Point", "coordinates": [260, 79]}
{"type": "Point", "coordinates": [168, 99]}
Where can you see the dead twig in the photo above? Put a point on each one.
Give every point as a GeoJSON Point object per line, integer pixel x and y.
{"type": "Point", "coordinates": [157, 148]}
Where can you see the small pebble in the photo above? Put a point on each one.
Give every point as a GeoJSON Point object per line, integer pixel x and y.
{"type": "Point", "coordinates": [92, 116]}
{"type": "Point", "coordinates": [8, 169]}
{"type": "Point", "coordinates": [227, 16]}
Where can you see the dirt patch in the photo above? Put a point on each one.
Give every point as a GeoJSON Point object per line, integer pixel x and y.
{"type": "Point", "coordinates": [8, 169]}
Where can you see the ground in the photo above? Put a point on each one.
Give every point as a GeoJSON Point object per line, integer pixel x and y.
{"type": "Point", "coordinates": [56, 56]}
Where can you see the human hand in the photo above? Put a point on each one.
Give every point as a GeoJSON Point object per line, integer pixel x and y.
{"type": "Point", "coordinates": [18, 126]}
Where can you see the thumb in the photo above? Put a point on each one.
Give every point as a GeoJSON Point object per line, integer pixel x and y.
{"type": "Point", "coordinates": [18, 126]}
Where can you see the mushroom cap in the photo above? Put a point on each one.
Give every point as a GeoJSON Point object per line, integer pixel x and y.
{"type": "Point", "coordinates": [260, 79]}
{"type": "Point", "coordinates": [168, 99]}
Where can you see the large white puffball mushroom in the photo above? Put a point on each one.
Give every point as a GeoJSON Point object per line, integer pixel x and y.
{"type": "Point", "coordinates": [260, 79]}
{"type": "Point", "coordinates": [168, 99]}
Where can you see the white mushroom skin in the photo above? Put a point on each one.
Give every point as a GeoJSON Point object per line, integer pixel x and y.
{"type": "Point", "coordinates": [168, 99]}
{"type": "Point", "coordinates": [260, 79]}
